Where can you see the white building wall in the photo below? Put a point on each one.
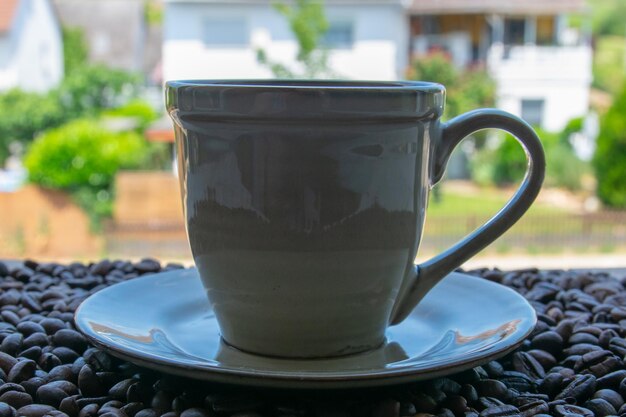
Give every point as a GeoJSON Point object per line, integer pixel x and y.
{"type": "Point", "coordinates": [559, 75]}
{"type": "Point", "coordinates": [33, 50]}
{"type": "Point", "coordinates": [8, 77]}
{"type": "Point", "coordinates": [378, 51]}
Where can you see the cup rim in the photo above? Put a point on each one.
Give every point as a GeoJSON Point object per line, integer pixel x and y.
{"type": "Point", "coordinates": [315, 84]}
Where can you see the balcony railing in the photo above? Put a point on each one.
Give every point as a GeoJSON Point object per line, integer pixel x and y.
{"type": "Point", "coordinates": [540, 62]}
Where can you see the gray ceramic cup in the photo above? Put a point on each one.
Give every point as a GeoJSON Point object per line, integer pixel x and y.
{"type": "Point", "coordinates": [305, 201]}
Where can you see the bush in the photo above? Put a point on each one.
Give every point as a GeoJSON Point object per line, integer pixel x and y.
{"type": "Point", "coordinates": [90, 89]}
{"type": "Point", "coordinates": [86, 92]}
{"type": "Point", "coordinates": [82, 158]}
{"type": "Point", "coordinates": [466, 90]}
{"type": "Point", "coordinates": [506, 163]}
{"type": "Point", "coordinates": [24, 115]}
{"type": "Point", "coordinates": [136, 109]}
{"type": "Point", "coordinates": [609, 159]}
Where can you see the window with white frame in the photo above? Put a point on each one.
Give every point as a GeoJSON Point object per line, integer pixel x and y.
{"type": "Point", "coordinates": [226, 32]}
{"type": "Point", "coordinates": [532, 111]}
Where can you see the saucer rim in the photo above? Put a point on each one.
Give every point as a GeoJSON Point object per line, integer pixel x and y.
{"type": "Point", "coordinates": [281, 379]}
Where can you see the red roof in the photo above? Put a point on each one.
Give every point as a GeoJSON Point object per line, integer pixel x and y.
{"type": "Point", "coordinates": [7, 12]}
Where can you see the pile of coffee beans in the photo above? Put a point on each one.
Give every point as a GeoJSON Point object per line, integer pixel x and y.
{"type": "Point", "coordinates": [571, 365]}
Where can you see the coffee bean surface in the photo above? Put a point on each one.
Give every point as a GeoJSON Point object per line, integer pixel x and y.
{"type": "Point", "coordinates": [573, 363]}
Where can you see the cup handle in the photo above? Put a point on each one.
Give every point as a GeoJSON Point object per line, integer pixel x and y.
{"type": "Point", "coordinates": [429, 273]}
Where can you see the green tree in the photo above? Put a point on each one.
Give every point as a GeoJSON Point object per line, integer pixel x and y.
{"type": "Point", "coordinates": [75, 50]}
{"type": "Point", "coordinates": [466, 89]}
{"type": "Point", "coordinates": [609, 160]}
{"type": "Point", "coordinates": [506, 163]}
{"type": "Point", "coordinates": [24, 115]}
{"type": "Point", "coordinates": [308, 24]}
{"type": "Point", "coordinates": [607, 17]}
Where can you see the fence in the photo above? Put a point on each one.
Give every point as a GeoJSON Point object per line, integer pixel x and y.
{"type": "Point", "coordinates": [599, 232]}
{"type": "Point", "coordinates": [602, 231]}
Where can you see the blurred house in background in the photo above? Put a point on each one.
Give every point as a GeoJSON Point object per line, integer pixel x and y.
{"type": "Point", "coordinates": [31, 45]}
{"type": "Point", "coordinates": [368, 39]}
{"type": "Point", "coordinates": [541, 66]}
{"type": "Point", "coordinates": [117, 33]}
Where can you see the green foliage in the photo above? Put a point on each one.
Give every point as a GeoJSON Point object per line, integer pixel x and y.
{"type": "Point", "coordinates": [506, 163]}
{"type": "Point", "coordinates": [91, 89]}
{"type": "Point", "coordinates": [609, 63]}
{"type": "Point", "coordinates": [82, 158]}
{"type": "Point", "coordinates": [23, 116]}
{"type": "Point", "coordinates": [87, 91]}
{"type": "Point", "coordinates": [466, 90]}
{"type": "Point", "coordinates": [607, 17]}
{"type": "Point", "coordinates": [308, 24]}
{"type": "Point", "coordinates": [610, 157]}
{"type": "Point", "coordinates": [137, 109]}
{"type": "Point", "coordinates": [75, 49]}
{"type": "Point", "coordinates": [154, 12]}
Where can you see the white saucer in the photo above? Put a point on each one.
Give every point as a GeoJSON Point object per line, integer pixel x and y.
{"type": "Point", "coordinates": [164, 321]}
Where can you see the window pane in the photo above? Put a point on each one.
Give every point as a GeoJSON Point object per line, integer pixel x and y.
{"type": "Point", "coordinates": [339, 35]}
{"type": "Point", "coordinates": [514, 31]}
{"type": "Point", "coordinates": [226, 32]}
{"type": "Point", "coordinates": [532, 111]}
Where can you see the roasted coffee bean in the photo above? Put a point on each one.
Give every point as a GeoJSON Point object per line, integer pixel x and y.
{"type": "Point", "coordinates": [611, 380]}
{"type": "Point", "coordinates": [35, 339]}
{"type": "Point", "coordinates": [119, 390]}
{"type": "Point", "coordinates": [98, 360]}
{"type": "Point", "coordinates": [90, 410]}
{"type": "Point", "coordinates": [68, 406]}
{"type": "Point", "coordinates": [455, 403]}
{"type": "Point", "coordinates": [533, 408]}
{"type": "Point", "coordinates": [65, 355]}
{"type": "Point", "coordinates": [500, 411]}
{"type": "Point", "coordinates": [491, 388]}
{"type": "Point", "coordinates": [570, 410]}
{"type": "Point", "coordinates": [546, 359]}
{"type": "Point", "coordinates": [34, 410]}
{"type": "Point", "coordinates": [598, 363]}
{"type": "Point", "coordinates": [614, 398]}
{"type": "Point", "coordinates": [31, 353]}
{"type": "Point", "coordinates": [7, 362]}
{"type": "Point", "coordinates": [131, 409]}
{"type": "Point", "coordinates": [16, 399]}
{"type": "Point", "coordinates": [29, 327]}
{"type": "Point", "coordinates": [6, 410]}
{"type": "Point", "coordinates": [147, 412]}
{"type": "Point", "coordinates": [583, 338]}
{"type": "Point", "coordinates": [580, 349]}
{"type": "Point", "coordinates": [12, 344]}
{"type": "Point", "coordinates": [622, 388]}
{"type": "Point", "coordinates": [581, 388]}
{"type": "Point", "coordinates": [527, 364]}
{"type": "Point", "coordinates": [518, 381]}
{"type": "Point", "coordinates": [424, 402]}
{"type": "Point", "coordinates": [51, 325]}
{"type": "Point", "coordinates": [48, 361]}
{"type": "Point", "coordinates": [62, 372]}
{"type": "Point", "coordinates": [50, 395]}
{"type": "Point", "coordinates": [147, 265]}
{"type": "Point", "coordinates": [32, 385]}
{"type": "Point", "coordinates": [600, 407]}
{"type": "Point", "coordinates": [551, 342]}
{"type": "Point", "coordinates": [89, 383]}
{"type": "Point", "coordinates": [22, 371]}
{"type": "Point", "coordinates": [70, 339]}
